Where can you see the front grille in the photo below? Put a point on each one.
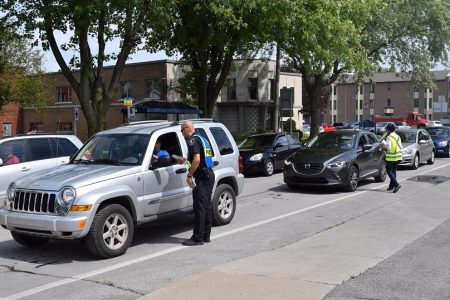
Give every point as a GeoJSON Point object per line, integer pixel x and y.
{"type": "Point", "coordinates": [35, 202]}
{"type": "Point", "coordinates": [308, 168]}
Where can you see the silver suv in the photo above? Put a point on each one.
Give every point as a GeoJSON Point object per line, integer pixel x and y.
{"type": "Point", "coordinates": [27, 154]}
{"type": "Point", "coordinates": [112, 185]}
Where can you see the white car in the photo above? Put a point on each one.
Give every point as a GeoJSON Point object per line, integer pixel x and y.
{"type": "Point", "coordinates": [435, 123]}
{"type": "Point", "coordinates": [27, 154]}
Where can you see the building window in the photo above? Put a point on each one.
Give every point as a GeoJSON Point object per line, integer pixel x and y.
{"type": "Point", "coordinates": [425, 103]}
{"type": "Point", "coordinates": [416, 89]}
{"type": "Point", "coordinates": [361, 103]}
{"type": "Point", "coordinates": [152, 89]}
{"type": "Point", "coordinates": [388, 102]}
{"type": "Point", "coordinates": [361, 89]}
{"type": "Point", "coordinates": [372, 88]}
{"type": "Point", "coordinates": [231, 89]}
{"type": "Point", "coordinates": [253, 88]}
{"type": "Point", "coordinates": [334, 104]}
{"type": "Point", "coordinates": [416, 103]}
{"type": "Point", "coordinates": [64, 127]}
{"type": "Point", "coordinates": [430, 117]}
{"type": "Point", "coordinates": [430, 103]}
{"type": "Point", "coordinates": [38, 125]}
{"type": "Point", "coordinates": [64, 94]}
{"type": "Point", "coordinates": [388, 86]}
{"type": "Point", "coordinates": [273, 91]}
{"type": "Point", "coordinates": [334, 90]}
{"type": "Point", "coordinates": [370, 103]}
{"type": "Point", "coordinates": [127, 89]}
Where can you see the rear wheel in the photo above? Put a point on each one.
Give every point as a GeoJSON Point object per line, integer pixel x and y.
{"type": "Point", "coordinates": [431, 160]}
{"type": "Point", "coordinates": [224, 205]}
{"type": "Point", "coordinates": [381, 177]}
{"type": "Point", "coordinates": [415, 163]}
{"type": "Point", "coordinates": [268, 167]}
{"type": "Point", "coordinates": [111, 232]}
{"type": "Point", "coordinates": [352, 179]}
{"type": "Point", "coordinates": [28, 240]}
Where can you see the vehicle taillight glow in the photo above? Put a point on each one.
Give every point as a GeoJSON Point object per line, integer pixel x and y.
{"type": "Point", "coordinates": [240, 164]}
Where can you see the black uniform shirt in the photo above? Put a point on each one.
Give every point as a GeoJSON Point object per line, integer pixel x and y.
{"type": "Point", "coordinates": [195, 146]}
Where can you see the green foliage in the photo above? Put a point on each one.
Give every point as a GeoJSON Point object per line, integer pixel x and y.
{"type": "Point", "coordinates": [260, 129]}
{"type": "Point", "coordinates": [287, 125]}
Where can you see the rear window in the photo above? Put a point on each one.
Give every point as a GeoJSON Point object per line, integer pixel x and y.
{"type": "Point", "coordinates": [222, 140]}
{"type": "Point", "coordinates": [202, 132]}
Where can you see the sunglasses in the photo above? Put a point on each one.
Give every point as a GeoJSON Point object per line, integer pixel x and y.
{"type": "Point", "coordinates": [182, 128]}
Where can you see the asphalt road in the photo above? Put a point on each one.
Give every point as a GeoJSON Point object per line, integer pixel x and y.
{"type": "Point", "coordinates": [408, 262]}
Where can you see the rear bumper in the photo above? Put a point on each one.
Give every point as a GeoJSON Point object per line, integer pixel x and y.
{"type": "Point", "coordinates": [240, 183]}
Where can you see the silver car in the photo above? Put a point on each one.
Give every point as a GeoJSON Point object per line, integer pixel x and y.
{"type": "Point", "coordinates": [418, 147]}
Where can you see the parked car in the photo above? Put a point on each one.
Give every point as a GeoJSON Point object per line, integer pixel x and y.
{"type": "Point", "coordinates": [112, 184]}
{"type": "Point", "coordinates": [306, 129]}
{"type": "Point", "coordinates": [402, 125]}
{"type": "Point", "coordinates": [342, 125]}
{"type": "Point", "coordinates": [435, 123]}
{"type": "Point", "coordinates": [27, 154]}
{"type": "Point", "coordinates": [441, 139]}
{"type": "Point", "coordinates": [380, 128]}
{"type": "Point", "coordinates": [265, 153]}
{"type": "Point", "coordinates": [418, 147]}
{"type": "Point", "coordinates": [336, 158]}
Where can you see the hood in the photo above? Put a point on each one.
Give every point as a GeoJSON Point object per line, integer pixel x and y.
{"type": "Point", "coordinates": [314, 155]}
{"type": "Point", "coordinates": [246, 153]}
{"type": "Point", "coordinates": [75, 176]}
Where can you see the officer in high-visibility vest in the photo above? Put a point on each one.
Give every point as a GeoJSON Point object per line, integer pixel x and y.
{"type": "Point", "coordinates": [200, 169]}
{"type": "Point", "coordinates": [393, 156]}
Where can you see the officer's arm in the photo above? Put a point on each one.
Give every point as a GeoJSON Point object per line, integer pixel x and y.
{"type": "Point", "coordinates": [194, 164]}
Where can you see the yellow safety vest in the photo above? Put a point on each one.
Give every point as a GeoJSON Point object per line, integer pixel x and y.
{"type": "Point", "coordinates": [395, 151]}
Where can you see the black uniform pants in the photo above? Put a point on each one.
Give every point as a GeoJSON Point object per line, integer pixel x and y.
{"type": "Point", "coordinates": [391, 170]}
{"type": "Point", "coordinates": [203, 207]}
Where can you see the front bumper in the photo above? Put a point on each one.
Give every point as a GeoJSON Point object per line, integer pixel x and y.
{"type": "Point", "coordinates": [251, 167]}
{"type": "Point", "coordinates": [407, 160]}
{"type": "Point", "coordinates": [327, 177]}
{"type": "Point", "coordinates": [72, 226]}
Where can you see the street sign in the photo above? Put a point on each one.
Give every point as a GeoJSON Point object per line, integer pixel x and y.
{"type": "Point", "coordinates": [76, 113]}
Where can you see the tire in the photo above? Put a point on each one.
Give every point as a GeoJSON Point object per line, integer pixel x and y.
{"type": "Point", "coordinates": [352, 179]}
{"type": "Point", "coordinates": [431, 160]}
{"type": "Point", "coordinates": [120, 229]}
{"type": "Point", "coordinates": [269, 167]}
{"type": "Point", "coordinates": [416, 162]}
{"type": "Point", "coordinates": [381, 177]}
{"type": "Point", "coordinates": [29, 240]}
{"type": "Point", "coordinates": [224, 205]}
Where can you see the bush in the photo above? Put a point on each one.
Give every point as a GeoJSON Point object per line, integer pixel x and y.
{"type": "Point", "coordinates": [260, 130]}
{"type": "Point", "coordinates": [287, 126]}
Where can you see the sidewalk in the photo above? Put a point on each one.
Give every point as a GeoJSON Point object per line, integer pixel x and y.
{"type": "Point", "coordinates": [312, 267]}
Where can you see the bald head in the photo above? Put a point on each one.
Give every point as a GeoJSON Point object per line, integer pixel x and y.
{"type": "Point", "coordinates": [187, 128]}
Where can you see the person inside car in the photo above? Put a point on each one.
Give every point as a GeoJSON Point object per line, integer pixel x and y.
{"type": "Point", "coordinates": [6, 153]}
{"type": "Point", "coordinates": [157, 152]}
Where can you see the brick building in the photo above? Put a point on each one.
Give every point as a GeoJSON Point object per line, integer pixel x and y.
{"type": "Point", "coordinates": [11, 122]}
{"type": "Point", "coordinates": [388, 94]}
{"type": "Point", "coordinates": [244, 105]}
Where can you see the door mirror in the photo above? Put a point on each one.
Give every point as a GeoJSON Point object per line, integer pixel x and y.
{"type": "Point", "coordinates": [422, 142]}
{"type": "Point", "coordinates": [278, 145]}
{"type": "Point", "coordinates": [162, 162]}
{"type": "Point", "coordinates": [367, 147]}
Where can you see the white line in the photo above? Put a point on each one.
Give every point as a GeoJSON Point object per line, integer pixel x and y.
{"type": "Point", "coordinates": [177, 248]}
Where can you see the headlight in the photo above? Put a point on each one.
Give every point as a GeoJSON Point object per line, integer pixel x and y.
{"type": "Point", "coordinates": [256, 157]}
{"type": "Point", "coordinates": [443, 143]}
{"type": "Point", "coordinates": [407, 151]}
{"type": "Point", "coordinates": [11, 192]}
{"type": "Point", "coordinates": [337, 164]}
{"type": "Point", "coordinates": [287, 162]}
{"type": "Point", "coordinates": [67, 195]}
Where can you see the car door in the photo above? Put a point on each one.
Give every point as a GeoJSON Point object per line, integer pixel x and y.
{"type": "Point", "coordinates": [376, 153]}
{"type": "Point", "coordinates": [11, 172]}
{"type": "Point", "coordinates": [294, 144]}
{"type": "Point", "coordinates": [280, 151]}
{"type": "Point", "coordinates": [63, 149]}
{"type": "Point", "coordinates": [40, 154]}
{"type": "Point", "coordinates": [165, 187]}
{"type": "Point", "coordinates": [426, 145]}
{"type": "Point", "coordinates": [363, 158]}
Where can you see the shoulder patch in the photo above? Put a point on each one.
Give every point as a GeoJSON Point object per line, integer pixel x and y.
{"type": "Point", "coordinates": [191, 142]}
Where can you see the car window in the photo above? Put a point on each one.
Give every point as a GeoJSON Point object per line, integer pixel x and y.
{"type": "Point", "coordinates": [16, 148]}
{"type": "Point", "coordinates": [260, 141]}
{"type": "Point", "coordinates": [361, 142]}
{"type": "Point", "coordinates": [407, 136]}
{"type": "Point", "coordinates": [62, 147]}
{"type": "Point", "coordinates": [202, 132]}
{"type": "Point", "coordinates": [292, 140]}
{"type": "Point", "coordinates": [423, 136]}
{"type": "Point", "coordinates": [331, 140]}
{"type": "Point", "coordinates": [282, 140]}
{"type": "Point", "coordinates": [40, 149]}
{"type": "Point", "coordinates": [438, 132]}
{"type": "Point", "coordinates": [372, 138]}
{"type": "Point", "coordinates": [222, 140]}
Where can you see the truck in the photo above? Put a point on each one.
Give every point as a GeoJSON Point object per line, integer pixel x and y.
{"type": "Point", "coordinates": [413, 119]}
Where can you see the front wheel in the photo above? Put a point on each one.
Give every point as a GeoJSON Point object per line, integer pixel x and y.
{"type": "Point", "coordinates": [269, 167]}
{"type": "Point", "coordinates": [431, 160]}
{"type": "Point", "coordinates": [111, 232]}
{"type": "Point", "coordinates": [416, 162]}
{"type": "Point", "coordinates": [28, 240]}
{"type": "Point", "coordinates": [352, 179]}
{"type": "Point", "coordinates": [224, 205]}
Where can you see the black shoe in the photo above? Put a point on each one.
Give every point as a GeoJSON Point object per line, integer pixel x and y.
{"type": "Point", "coordinates": [206, 239]}
{"type": "Point", "coordinates": [192, 242]}
{"type": "Point", "coordinates": [396, 189]}
{"type": "Point", "coordinates": [390, 188]}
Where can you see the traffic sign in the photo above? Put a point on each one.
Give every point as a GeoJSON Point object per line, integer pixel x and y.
{"type": "Point", "coordinates": [76, 113]}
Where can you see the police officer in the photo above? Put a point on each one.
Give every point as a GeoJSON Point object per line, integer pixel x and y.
{"type": "Point", "coordinates": [200, 169]}
{"type": "Point", "coordinates": [393, 156]}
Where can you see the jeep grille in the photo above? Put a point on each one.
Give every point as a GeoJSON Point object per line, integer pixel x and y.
{"type": "Point", "coordinates": [35, 202]}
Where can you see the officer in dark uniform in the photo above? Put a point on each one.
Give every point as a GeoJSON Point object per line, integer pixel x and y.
{"type": "Point", "coordinates": [200, 168]}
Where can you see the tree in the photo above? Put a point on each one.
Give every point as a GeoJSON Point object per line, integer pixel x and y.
{"type": "Point", "coordinates": [21, 74]}
{"type": "Point", "coordinates": [209, 35]}
{"type": "Point", "coordinates": [86, 22]}
{"type": "Point", "coordinates": [331, 38]}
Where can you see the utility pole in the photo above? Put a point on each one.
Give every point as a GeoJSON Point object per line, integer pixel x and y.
{"type": "Point", "coordinates": [276, 115]}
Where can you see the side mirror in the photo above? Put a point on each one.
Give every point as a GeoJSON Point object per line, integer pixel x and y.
{"type": "Point", "coordinates": [422, 142]}
{"type": "Point", "coordinates": [162, 162]}
{"type": "Point", "coordinates": [1, 162]}
{"type": "Point", "coordinates": [278, 145]}
{"type": "Point", "coordinates": [367, 147]}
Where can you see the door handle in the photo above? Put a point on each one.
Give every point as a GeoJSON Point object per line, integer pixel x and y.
{"type": "Point", "coordinates": [182, 170]}
{"type": "Point", "coordinates": [215, 163]}
{"type": "Point", "coordinates": [24, 169]}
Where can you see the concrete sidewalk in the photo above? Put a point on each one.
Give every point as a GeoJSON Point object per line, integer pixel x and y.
{"type": "Point", "coordinates": [309, 269]}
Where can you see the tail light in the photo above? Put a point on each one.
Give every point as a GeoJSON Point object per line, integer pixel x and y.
{"type": "Point", "coordinates": [240, 164]}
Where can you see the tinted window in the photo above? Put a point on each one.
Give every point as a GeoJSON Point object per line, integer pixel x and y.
{"type": "Point", "coordinates": [40, 149]}
{"type": "Point", "coordinates": [16, 148]}
{"type": "Point", "coordinates": [282, 140]}
{"type": "Point", "coordinates": [222, 140]}
{"type": "Point", "coordinates": [292, 140]}
{"type": "Point", "coordinates": [259, 141]}
{"type": "Point", "coordinates": [372, 138]}
{"type": "Point", "coordinates": [202, 132]}
{"type": "Point", "coordinates": [331, 140]}
{"type": "Point", "coordinates": [407, 136]}
{"type": "Point", "coordinates": [438, 132]}
{"type": "Point", "coordinates": [63, 147]}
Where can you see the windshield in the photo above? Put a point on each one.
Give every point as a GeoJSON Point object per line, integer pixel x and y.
{"type": "Point", "coordinates": [438, 132]}
{"type": "Point", "coordinates": [261, 141]}
{"type": "Point", "coordinates": [407, 137]}
{"type": "Point", "coordinates": [331, 140]}
{"type": "Point", "coordinates": [116, 149]}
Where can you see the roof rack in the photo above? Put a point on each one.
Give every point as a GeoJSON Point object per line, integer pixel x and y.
{"type": "Point", "coordinates": [194, 121]}
{"type": "Point", "coordinates": [145, 122]}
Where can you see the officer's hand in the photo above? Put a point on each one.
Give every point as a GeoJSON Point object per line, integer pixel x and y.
{"type": "Point", "coordinates": [190, 181]}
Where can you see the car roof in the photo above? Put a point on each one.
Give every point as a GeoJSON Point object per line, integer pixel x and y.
{"type": "Point", "coordinates": [37, 135]}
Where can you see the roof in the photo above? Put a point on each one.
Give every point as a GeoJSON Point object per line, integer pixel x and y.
{"type": "Point", "coordinates": [392, 77]}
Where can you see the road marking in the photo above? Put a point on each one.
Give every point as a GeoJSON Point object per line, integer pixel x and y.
{"type": "Point", "coordinates": [178, 248]}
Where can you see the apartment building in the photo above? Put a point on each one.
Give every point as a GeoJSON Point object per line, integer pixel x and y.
{"type": "Point", "coordinates": [388, 94]}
